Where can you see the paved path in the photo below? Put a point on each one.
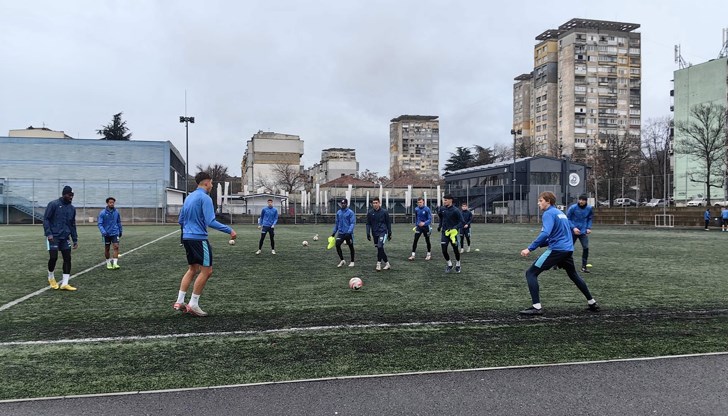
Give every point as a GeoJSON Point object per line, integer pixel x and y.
{"type": "Point", "coordinates": [694, 385]}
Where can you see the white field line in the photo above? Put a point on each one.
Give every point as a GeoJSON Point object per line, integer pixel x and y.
{"type": "Point", "coordinates": [367, 376]}
{"type": "Point", "coordinates": [39, 291]}
{"type": "Point", "coordinates": [251, 333]}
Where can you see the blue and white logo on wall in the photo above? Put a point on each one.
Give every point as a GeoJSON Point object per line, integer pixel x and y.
{"type": "Point", "coordinates": [574, 179]}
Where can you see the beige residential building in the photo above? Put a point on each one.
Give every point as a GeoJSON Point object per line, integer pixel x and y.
{"type": "Point", "coordinates": [335, 162]}
{"type": "Point", "coordinates": [414, 146]}
{"type": "Point", "coordinates": [586, 87]}
{"type": "Point", "coordinates": [38, 132]}
{"type": "Point", "coordinates": [266, 152]}
{"type": "Point", "coordinates": [522, 107]}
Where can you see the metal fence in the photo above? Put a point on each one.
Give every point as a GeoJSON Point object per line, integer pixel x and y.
{"type": "Point", "coordinates": [23, 201]}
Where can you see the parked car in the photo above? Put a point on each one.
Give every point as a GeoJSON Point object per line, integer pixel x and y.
{"type": "Point", "coordinates": [720, 204]}
{"type": "Point", "coordinates": [604, 203]}
{"type": "Point", "coordinates": [625, 202]}
{"type": "Point", "coordinates": [655, 202]}
{"type": "Point", "coordinates": [698, 202]}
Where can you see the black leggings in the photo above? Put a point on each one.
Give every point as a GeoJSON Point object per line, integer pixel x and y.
{"type": "Point", "coordinates": [454, 245]}
{"type": "Point", "coordinates": [66, 261]}
{"type": "Point", "coordinates": [272, 239]}
{"type": "Point", "coordinates": [340, 240]}
{"type": "Point", "coordinates": [427, 240]}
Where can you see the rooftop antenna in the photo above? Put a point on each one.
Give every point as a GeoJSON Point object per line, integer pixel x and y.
{"type": "Point", "coordinates": [724, 50]}
{"type": "Point", "coordinates": [679, 59]}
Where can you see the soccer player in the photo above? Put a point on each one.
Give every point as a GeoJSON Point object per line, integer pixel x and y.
{"type": "Point", "coordinates": [451, 220]}
{"type": "Point", "coordinates": [724, 219]}
{"type": "Point", "coordinates": [556, 234]}
{"type": "Point", "coordinates": [423, 226]}
{"type": "Point", "coordinates": [196, 215]}
{"type": "Point", "coordinates": [110, 226]}
{"type": "Point", "coordinates": [379, 227]}
{"type": "Point", "coordinates": [59, 225]}
{"type": "Point", "coordinates": [344, 231]}
{"type": "Point", "coordinates": [580, 217]}
{"type": "Point", "coordinates": [467, 221]}
{"type": "Point", "coordinates": [266, 224]}
{"type": "Point", "coordinates": [706, 217]}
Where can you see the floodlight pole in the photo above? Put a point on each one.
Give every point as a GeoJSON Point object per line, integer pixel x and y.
{"type": "Point", "coordinates": [187, 120]}
{"type": "Point", "coordinates": [513, 184]}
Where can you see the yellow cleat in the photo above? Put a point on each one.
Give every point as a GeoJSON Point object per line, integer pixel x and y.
{"type": "Point", "coordinates": [109, 266]}
{"type": "Point", "coordinates": [68, 287]}
{"type": "Point", "coordinates": [53, 284]}
{"type": "Point", "coordinates": [332, 243]}
{"type": "Point", "coordinates": [116, 266]}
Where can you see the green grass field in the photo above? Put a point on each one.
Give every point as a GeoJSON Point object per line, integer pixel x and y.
{"type": "Point", "coordinates": [662, 292]}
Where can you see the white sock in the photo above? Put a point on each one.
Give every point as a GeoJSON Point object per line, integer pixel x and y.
{"type": "Point", "coordinates": [115, 261]}
{"type": "Point", "coordinates": [413, 254]}
{"type": "Point", "coordinates": [108, 261]}
{"type": "Point", "coordinates": [51, 275]}
{"type": "Point", "coordinates": [449, 263]}
{"type": "Point", "coordinates": [591, 301]}
{"type": "Point", "coordinates": [537, 305]}
{"type": "Point", "coordinates": [428, 253]}
{"type": "Point", "coordinates": [194, 300]}
{"type": "Point", "coordinates": [457, 263]}
{"type": "Point", "coordinates": [181, 297]}
{"type": "Point", "coordinates": [65, 279]}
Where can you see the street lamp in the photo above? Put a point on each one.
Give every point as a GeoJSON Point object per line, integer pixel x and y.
{"type": "Point", "coordinates": [187, 120]}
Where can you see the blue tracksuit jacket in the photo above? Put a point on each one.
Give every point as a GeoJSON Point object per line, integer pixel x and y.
{"type": "Point", "coordinates": [110, 222]}
{"type": "Point", "coordinates": [450, 217]}
{"type": "Point", "coordinates": [345, 221]}
{"type": "Point", "coordinates": [268, 217]}
{"type": "Point", "coordinates": [555, 231]}
{"type": "Point", "coordinates": [378, 222]}
{"type": "Point", "coordinates": [580, 218]}
{"type": "Point", "coordinates": [197, 214]}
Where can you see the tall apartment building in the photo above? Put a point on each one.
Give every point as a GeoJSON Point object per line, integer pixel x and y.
{"type": "Point", "coordinates": [414, 146]}
{"type": "Point", "coordinates": [522, 107]}
{"type": "Point", "coordinates": [697, 84]}
{"type": "Point", "coordinates": [586, 87]}
{"type": "Point", "coordinates": [266, 150]}
{"type": "Point", "coordinates": [335, 162]}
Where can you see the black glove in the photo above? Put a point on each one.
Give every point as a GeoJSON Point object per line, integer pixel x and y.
{"type": "Point", "coordinates": [369, 237]}
{"type": "Point", "coordinates": [439, 228]}
{"type": "Point", "coordinates": [389, 237]}
{"type": "Point", "coordinates": [333, 235]}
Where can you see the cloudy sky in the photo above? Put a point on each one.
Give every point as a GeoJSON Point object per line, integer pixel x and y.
{"type": "Point", "coordinates": [331, 71]}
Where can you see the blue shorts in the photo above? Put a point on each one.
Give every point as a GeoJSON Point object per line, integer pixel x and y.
{"type": "Point", "coordinates": [110, 239]}
{"type": "Point", "coordinates": [57, 244]}
{"type": "Point", "coordinates": [198, 252]}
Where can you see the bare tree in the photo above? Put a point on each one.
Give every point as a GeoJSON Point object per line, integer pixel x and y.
{"type": "Point", "coordinates": [502, 152]}
{"type": "Point", "coordinates": [614, 159]}
{"type": "Point", "coordinates": [703, 136]}
{"type": "Point", "coordinates": [219, 174]}
{"type": "Point", "coordinates": [288, 177]}
{"type": "Point", "coordinates": [268, 185]}
{"type": "Point", "coordinates": [655, 161]}
{"type": "Point", "coordinates": [370, 176]}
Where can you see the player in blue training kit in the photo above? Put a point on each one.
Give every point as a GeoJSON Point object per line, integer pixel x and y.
{"type": "Point", "coordinates": [266, 224]}
{"type": "Point", "coordinates": [423, 226]}
{"type": "Point", "coordinates": [580, 217]}
{"type": "Point", "coordinates": [556, 234]}
{"type": "Point", "coordinates": [451, 220]}
{"type": "Point", "coordinates": [467, 223]}
{"type": "Point", "coordinates": [724, 219]}
{"type": "Point", "coordinates": [110, 226]}
{"type": "Point", "coordinates": [344, 231]}
{"type": "Point", "coordinates": [196, 215]}
{"type": "Point", "coordinates": [379, 227]}
{"type": "Point", "coordinates": [59, 225]}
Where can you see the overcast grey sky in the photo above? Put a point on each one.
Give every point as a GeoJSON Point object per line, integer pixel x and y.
{"type": "Point", "coordinates": [331, 71]}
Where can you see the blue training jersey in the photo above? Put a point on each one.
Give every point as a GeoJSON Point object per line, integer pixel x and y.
{"type": "Point", "coordinates": [345, 221]}
{"type": "Point", "coordinates": [268, 217]}
{"type": "Point", "coordinates": [109, 222]}
{"type": "Point", "coordinates": [197, 214]}
{"type": "Point", "coordinates": [555, 231]}
{"type": "Point", "coordinates": [580, 217]}
{"type": "Point", "coordinates": [423, 214]}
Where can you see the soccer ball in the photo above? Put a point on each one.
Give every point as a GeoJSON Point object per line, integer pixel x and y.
{"type": "Point", "coordinates": [231, 242]}
{"type": "Point", "coordinates": [305, 243]}
{"type": "Point", "coordinates": [477, 249]}
{"type": "Point", "coordinates": [315, 238]}
{"type": "Point", "coordinates": [355, 283]}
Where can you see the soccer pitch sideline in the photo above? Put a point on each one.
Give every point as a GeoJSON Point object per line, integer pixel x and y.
{"type": "Point", "coordinates": [291, 315]}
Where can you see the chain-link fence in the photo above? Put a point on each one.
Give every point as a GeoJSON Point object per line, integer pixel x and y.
{"type": "Point", "coordinates": [23, 201]}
